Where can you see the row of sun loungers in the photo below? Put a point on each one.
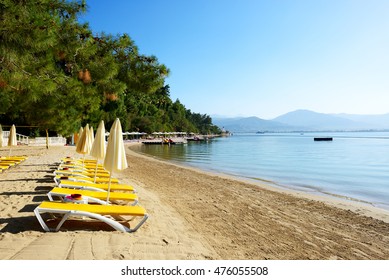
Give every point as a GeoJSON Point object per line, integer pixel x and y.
{"type": "Point", "coordinates": [8, 162]}
{"type": "Point", "coordinates": [78, 193]}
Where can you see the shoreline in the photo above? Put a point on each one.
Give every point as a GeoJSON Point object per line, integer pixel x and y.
{"type": "Point", "coordinates": [193, 215]}
{"type": "Point", "coordinates": [348, 203]}
{"type": "Point", "coordinates": [242, 220]}
{"type": "Point", "coordinates": [334, 169]}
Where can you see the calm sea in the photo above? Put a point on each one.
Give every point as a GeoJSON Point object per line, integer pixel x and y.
{"type": "Point", "coordinates": [355, 165]}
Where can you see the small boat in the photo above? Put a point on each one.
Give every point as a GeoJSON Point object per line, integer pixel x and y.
{"type": "Point", "coordinates": [195, 138]}
{"type": "Point", "coordinates": [175, 141]}
{"type": "Point", "coordinates": [322, 139]}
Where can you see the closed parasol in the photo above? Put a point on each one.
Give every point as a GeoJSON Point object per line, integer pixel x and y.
{"type": "Point", "coordinates": [12, 138]}
{"type": "Point", "coordinates": [115, 157]}
{"type": "Point", "coordinates": [91, 136]}
{"type": "Point", "coordinates": [98, 147]}
{"type": "Point", "coordinates": [80, 131]}
{"type": "Point", "coordinates": [83, 144]}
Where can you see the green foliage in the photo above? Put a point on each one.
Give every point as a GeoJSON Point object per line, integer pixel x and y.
{"type": "Point", "coordinates": [56, 75]}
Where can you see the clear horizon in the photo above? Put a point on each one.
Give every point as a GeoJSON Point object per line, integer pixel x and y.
{"type": "Point", "coordinates": [261, 58]}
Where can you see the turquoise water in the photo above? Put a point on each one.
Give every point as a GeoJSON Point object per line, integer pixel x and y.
{"type": "Point", "coordinates": [354, 165]}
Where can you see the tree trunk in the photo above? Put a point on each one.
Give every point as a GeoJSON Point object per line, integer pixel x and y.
{"type": "Point", "coordinates": [47, 138]}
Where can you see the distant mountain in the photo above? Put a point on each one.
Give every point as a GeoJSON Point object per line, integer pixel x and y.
{"type": "Point", "coordinates": [375, 121]}
{"type": "Point", "coordinates": [250, 124]}
{"type": "Point", "coordinates": [305, 120]}
{"type": "Point", "coordinates": [309, 120]}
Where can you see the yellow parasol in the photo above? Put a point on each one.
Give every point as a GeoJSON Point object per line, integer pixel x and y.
{"type": "Point", "coordinates": [12, 138]}
{"type": "Point", "coordinates": [83, 144]}
{"type": "Point", "coordinates": [80, 131]}
{"type": "Point", "coordinates": [91, 136]}
{"type": "Point", "coordinates": [98, 147]}
{"type": "Point", "coordinates": [115, 157]}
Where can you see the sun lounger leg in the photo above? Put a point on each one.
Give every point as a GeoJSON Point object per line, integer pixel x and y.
{"type": "Point", "coordinates": [44, 225]}
{"type": "Point", "coordinates": [116, 225]}
{"type": "Point", "coordinates": [41, 221]}
{"type": "Point", "coordinates": [135, 202]}
{"type": "Point", "coordinates": [139, 224]}
{"type": "Point", "coordinates": [50, 196]}
{"type": "Point", "coordinates": [64, 218]}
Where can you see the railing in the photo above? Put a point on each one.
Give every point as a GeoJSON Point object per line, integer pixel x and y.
{"type": "Point", "coordinates": [21, 139]}
{"type": "Point", "coordinates": [53, 141]}
{"type": "Point", "coordinates": [38, 141]}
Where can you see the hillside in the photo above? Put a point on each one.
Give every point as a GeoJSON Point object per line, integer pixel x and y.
{"type": "Point", "coordinates": [305, 120]}
{"type": "Point", "coordinates": [309, 120]}
{"type": "Point", "coordinates": [250, 124]}
{"type": "Point", "coordinates": [376, 121]}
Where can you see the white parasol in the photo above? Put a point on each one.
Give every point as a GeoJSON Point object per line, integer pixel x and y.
{"type": "Point", "coordinates": [83, 144]}
{"type": "Point", "coordinates": [115, 157]}
{"type": "Point", "coordinates": [98, 147]}
{"type": "Point", "coordinates": [12, 138]}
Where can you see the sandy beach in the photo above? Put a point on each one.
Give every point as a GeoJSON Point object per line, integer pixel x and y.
{"type": "Point", "coordinates": [193, 215]}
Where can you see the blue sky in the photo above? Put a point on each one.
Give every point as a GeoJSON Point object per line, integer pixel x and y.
{"type": "Point", "coordinates": [261, 58]}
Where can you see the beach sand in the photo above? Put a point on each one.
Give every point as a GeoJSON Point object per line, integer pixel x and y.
{"type": "Point", "coordinates": [194, 215]}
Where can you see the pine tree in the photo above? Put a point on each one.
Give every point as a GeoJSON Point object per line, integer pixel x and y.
{"type": "Point", "coordinates": [39, 46]}
{"type": "Point", "coordinates": [57, 75]}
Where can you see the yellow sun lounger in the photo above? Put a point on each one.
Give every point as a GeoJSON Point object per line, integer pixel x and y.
{"type": "Point", "coordinates": [89, 168]}
{"type": "Point", "coordinates": [79, 161]}
{"type": "Point", "coordinates": [93, 196]}
{"type": "Point", "coordinates": [81, 173]}
{"type": "Point", "coordinates": [11, 160]}
{"type": "Point", "coordinates": [78, 164]}
{"type": "Point", "coordinates": [8, 162]}
{"type": "Point", "coordinates": [109, 214]}
{"type": "Point", "coordinates": [16, 158]}
{"type": "Point", "coordinates": [4, 166]}
{"type": "Point", "coordinates": [94, 186]}
{"type": "Point", "coordinates": [58, 178]}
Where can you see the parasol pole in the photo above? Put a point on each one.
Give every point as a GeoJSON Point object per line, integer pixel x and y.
{"type": "Point", "coordinates": [97, 163]}
{"type": "Point", "coordinates": [115, 159]}
{"type": "Point", "coordinates": [109, 187]}
{"type": "Point", "coordinates": [98, 147]}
